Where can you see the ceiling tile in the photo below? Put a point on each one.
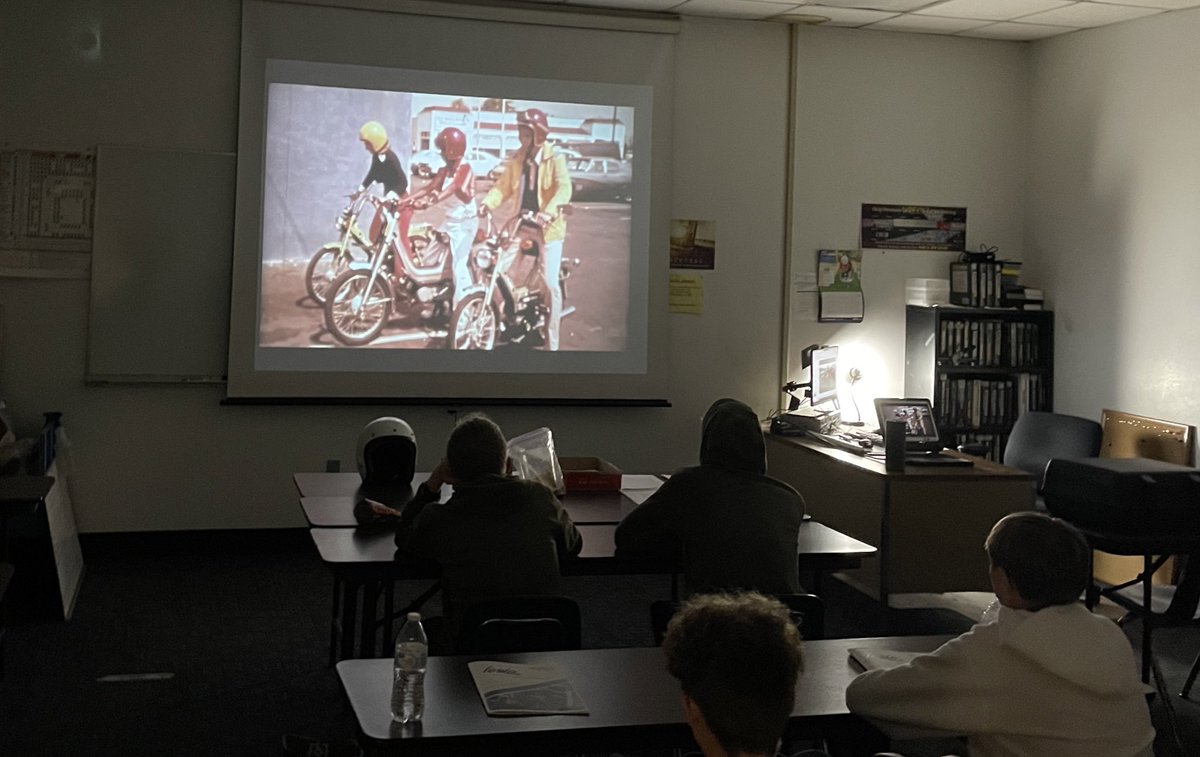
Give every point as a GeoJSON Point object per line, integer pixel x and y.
{"type": "Point", "coordinates": [896, 6]}
{"type": "Point", "coordinates": [1015, 31]}
{"type": "Point", "coordinates": [927, 24]}
{"type": "Point", "coordinates": [1088, 14]}
{"type": "Point", "coordinates": [846, 16]}
{"type": "Point", "coordinates": [1171, 5]}
{"type": "Point", "coordinates": [636, 5]}
{"type": "Point", "coordinates": [990, 9]}
{"type": "Point", "coordinates": [733, 8]}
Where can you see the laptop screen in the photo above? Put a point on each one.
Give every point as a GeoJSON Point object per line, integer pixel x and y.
{"type": "Point", "coordinates": [921, 432]}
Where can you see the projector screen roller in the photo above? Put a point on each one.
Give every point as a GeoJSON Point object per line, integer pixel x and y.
{"type": "Point", "coordinates": [421, 234]}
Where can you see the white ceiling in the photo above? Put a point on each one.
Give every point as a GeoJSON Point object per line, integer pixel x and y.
{"type": "Point", "coordinates": [995, 19]}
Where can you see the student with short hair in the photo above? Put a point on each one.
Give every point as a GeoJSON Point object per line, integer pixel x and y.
{"type": "Point", "coordinates": [733, 526]}
{"type": "Point", "coordinates": [1046, 677]}
{"type": "Point", "coordinates": [737, 658]}
{"type": "Point", "coordinates": [497, 536]}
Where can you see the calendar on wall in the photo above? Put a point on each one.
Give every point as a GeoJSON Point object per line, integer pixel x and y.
{"type": "Point", "coordinates": [47, 205]}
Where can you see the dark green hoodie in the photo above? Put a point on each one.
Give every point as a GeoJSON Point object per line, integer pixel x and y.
{"type": "Point", "coordinates": [734, 526]}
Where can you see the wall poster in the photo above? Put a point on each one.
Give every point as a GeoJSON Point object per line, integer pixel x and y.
{"type": "Point", "coordinates": [913, 227]}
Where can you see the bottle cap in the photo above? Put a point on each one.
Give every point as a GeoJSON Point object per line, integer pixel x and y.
{"type": "Point", "coordinates": [414, 616]}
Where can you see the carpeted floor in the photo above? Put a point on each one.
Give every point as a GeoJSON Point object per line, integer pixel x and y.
{"type": "Point", "coordinates": [221, 650]}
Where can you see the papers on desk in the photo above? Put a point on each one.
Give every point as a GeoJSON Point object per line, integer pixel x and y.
{"type": "Point", "coordinates": [639, 486]}
{"type": "Point", "coordinates": [881, 659]}
{"type": "Point", "coordinates": [510, 688]}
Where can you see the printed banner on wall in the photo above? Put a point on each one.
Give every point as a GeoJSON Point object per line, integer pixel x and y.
{"type": "Point", "coordinates": [913, 227]}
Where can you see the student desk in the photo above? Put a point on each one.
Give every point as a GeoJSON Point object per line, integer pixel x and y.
{"type": "Point", "coordinates": [929, 522]}
{"type": "Point", "coordinates": [328, 498]}
{"type": "Point", "coordinates": [364, 562]}
{"type": "Point", "coordinates": [633, 703]}
{"type": "Point", "coordinates": [585, 508]}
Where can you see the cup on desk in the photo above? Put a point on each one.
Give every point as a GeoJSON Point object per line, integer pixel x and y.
{"type": "Point", "coordinates": [893, 445]}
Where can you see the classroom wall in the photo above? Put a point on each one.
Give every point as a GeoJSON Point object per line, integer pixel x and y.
{"type": "Point", "coordinates": [880, 117]}
{"type": "Point", "coordinates": [152, 457]}
{"type": "Point", "coordinates": [1112, 209]}
{"type": "Point", "coordinates": [918, 119]}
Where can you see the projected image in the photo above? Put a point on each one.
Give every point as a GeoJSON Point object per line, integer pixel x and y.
{"type": "Point", "coordinates": [404, 220]}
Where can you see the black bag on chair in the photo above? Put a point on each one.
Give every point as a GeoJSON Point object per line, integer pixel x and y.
{"type": "Point", "coordinates": [1133, 496]}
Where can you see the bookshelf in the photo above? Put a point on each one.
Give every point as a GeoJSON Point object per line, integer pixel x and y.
{"type": "Point", "coordinates": [982, 367]}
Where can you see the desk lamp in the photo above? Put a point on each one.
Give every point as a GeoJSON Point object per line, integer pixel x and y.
{"type": "Point", "coordinates": [854, 376]}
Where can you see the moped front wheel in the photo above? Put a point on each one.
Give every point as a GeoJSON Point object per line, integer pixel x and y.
{"type": "Point", "coordinates": [327, 264]}
{"type": "Point", "coordinates": [474, 323]}
{"type": "Point", "coordinates": [357, 307]}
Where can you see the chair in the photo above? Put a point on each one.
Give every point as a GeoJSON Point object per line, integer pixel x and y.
{"type": "Point", "coordinates": [1134, 584]}
{"type": "Point", "coordinates": [6, 573]}
{"type": "Point", "coordinates": [807, 611]}
{"type": "Point", "coordinates": [520, 624]}
{"type": "Point", "coordinates": [1038, 436]}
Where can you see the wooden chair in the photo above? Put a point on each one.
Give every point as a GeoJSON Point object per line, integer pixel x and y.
{"type": "Point", "coordinates": [520, 624]}
{"type": "Point", "coordinates": [1126, 435]}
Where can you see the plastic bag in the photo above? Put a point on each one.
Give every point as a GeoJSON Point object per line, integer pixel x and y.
{"type": "Point", "coordinates": [533, 459]}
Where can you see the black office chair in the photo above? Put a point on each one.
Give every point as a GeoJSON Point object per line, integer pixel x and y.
{"type": "Point", "coordinates": [520, 624]}
{"type": "Point", "coordinates": [807, 611]}
{"type": "Point", "coordinates": [1038, 436]}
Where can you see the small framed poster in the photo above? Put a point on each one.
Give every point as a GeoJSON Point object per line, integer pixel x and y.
{"type": "Point", "coordinates": [913, 227]}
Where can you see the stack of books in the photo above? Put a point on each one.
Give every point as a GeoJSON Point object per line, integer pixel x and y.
{"type": "Point", "coordinates": [1025, 298]}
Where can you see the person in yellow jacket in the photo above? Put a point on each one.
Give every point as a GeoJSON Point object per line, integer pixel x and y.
{"type": "Point", "coordinates": [538, 177]}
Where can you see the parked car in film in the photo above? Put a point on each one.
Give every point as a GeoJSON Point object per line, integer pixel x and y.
{"type": "Point", "coordinates": [601, 179]}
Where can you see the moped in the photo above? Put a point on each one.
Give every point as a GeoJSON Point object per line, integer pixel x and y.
{"type": "Point", "coordinates": [362, 299]}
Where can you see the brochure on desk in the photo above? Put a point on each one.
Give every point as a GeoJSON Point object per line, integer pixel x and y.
{"type": "Point", "coordinates": [509, 688]}
{"type": "Point", "coordinates": [882, 659]}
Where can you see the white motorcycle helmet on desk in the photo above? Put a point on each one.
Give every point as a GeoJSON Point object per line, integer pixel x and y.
{"type": "Point", "coordinates": [387, 453]}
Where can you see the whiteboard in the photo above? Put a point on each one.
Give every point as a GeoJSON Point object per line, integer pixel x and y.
{"type": "Point", "coordinates": [161, 257]}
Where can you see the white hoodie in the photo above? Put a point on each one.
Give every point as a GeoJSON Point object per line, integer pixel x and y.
{"type": "Point", "coordinates": [1058, 682]}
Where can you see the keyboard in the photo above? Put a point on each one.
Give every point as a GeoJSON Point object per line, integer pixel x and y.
{"type": "Point", "coordinates": [859, 432]}
{"type": "Point", "coordinates": [841, 441]}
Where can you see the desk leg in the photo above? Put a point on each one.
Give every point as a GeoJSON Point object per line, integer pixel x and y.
{"type": "Point", "coordinates": [335, 625]}
{"type": "Point", "coordinates": [885, 556]}
{"type": "Point", "coordinates": [389, 614]}
{"type": "Point", "coordinates": [350, 591]}
{"type": "Point", "coordinates": [369, 619]}
{"type": "Point", "coordinates": [1147, 616]}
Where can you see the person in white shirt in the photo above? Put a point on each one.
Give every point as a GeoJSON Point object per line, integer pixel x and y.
{"type": "Point", "coordinates": [1045, 677]}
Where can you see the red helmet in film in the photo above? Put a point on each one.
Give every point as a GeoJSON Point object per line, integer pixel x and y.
{"type": "Point", "coordinates": [534, 119]}
{"type": "Point", "coordinates": [451, 142]}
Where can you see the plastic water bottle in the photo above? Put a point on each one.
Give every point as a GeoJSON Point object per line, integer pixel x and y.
{"type": "Point", "coordinates": [408, 671]}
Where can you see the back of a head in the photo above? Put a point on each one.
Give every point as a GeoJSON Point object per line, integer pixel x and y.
{"type": "Point", "coordinates": [737, 656]}
{"type": "Point", "coordinates": [731, 437]}
{"type": "Point", "coordinates": [1046, 559]}
{"type": "Point", "coordinates": [476, 449]}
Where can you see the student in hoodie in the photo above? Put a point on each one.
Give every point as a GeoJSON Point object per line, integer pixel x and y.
{"type": "Point", "coordinates": [1046, 677]}
{"type": "Point", "coordinates": [496, 536]}
{"type": "Point", "coordinates": [733, 526]}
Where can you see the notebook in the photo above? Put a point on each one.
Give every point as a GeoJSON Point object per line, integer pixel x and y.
{"type": "Point", "coordinates": [922, 440]}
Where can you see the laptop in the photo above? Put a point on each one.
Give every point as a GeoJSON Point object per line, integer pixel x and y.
{"type": "Point", "coordinates": [922, 440]}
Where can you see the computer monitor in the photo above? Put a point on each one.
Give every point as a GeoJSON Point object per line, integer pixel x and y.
{"type": "Point", "coordinates": [821, 361]}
